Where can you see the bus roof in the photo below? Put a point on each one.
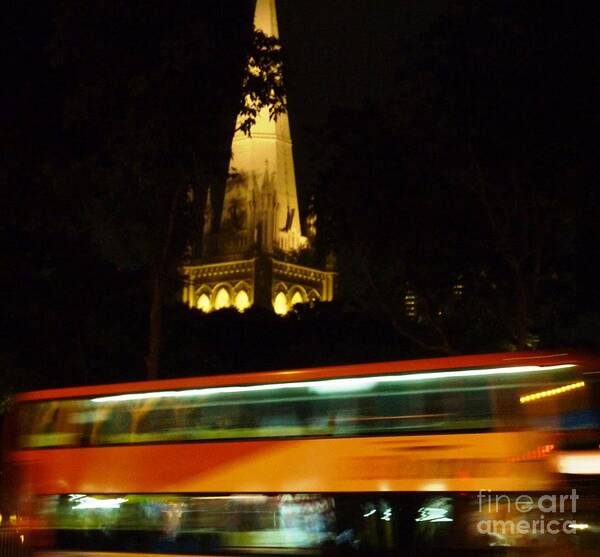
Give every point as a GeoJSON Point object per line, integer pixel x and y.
{"type": "Point", "coordinates": [284, 376]}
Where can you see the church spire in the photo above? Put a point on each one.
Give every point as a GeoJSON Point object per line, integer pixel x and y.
{"type": "Point", "coordinates": [265, 18]}
{"type": "Point", "coordinates": [252, 257]}
{"type": "Point", "coordinates": [265, 158]}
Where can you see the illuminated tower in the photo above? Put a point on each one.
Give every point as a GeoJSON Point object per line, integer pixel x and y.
{"type": "Point", "coordinates": [251, 257]}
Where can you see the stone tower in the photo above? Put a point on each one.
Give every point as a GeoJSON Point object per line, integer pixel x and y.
{"type": "Point", "coordinates": [251, 258]}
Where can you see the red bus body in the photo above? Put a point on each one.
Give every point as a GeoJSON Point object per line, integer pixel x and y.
{"type": "Point", "coordinates": [446, 461]}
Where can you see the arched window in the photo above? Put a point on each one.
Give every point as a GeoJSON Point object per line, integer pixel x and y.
{"type": "Point", "coordinates": [222, 299]}
{"type": "Point", "coordinates": [313, 297]}
{"type": "Point", "coordinates": [297, 298]}
{"type": "Point", "coordinates": [242, 301]}
{"type": "Point", "coordinates": [280, 304]}
{"type": "Point", "coordinates": [203, 303]}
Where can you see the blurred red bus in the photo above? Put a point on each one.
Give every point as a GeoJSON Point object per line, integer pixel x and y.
{"type": "Point", "coordinates": [238, 458]}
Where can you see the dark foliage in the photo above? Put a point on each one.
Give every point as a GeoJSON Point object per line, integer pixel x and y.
{"type": "Point", "coordinates": [478, 172]}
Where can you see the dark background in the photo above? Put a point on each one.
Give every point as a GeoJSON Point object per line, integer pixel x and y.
{"type": "Point", "coordinates": [341, 53]}
{"type": "Point", "coordinates": [441, 143]}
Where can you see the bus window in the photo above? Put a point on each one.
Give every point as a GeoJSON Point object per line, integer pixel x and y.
{"type": "Point", "coordinates": [397, 408]}
{"type": "Point", "coordinates": [394, 404]}
{"type": "Point", "coordinates": [48, 423]}
{"type": "Point", "coordinates": [116, 427]}
{"type": "Point", "coordinates": [387, 408]}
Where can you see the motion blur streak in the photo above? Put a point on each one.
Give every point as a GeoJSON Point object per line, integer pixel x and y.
{"type": "Point", "coordinates": [334, 385]}
{"type": "Point", "coordinates": [580, 463]}
{"type": "Point", "coordinates": [552, 392]}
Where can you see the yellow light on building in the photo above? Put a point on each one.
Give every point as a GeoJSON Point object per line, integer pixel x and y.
{"type": "Point", "coordinates": [242, 301]}
{"type": "Point", "coordinates": [280, 304]}
{"type": "Point", "coordinates": [297, 299]}
{"type": "Point", "coordinates": [222, 300]}
{"type": "Point", "coordinates": [254, 234]}
{"type": "Point", "coordinates": [204, 303]}
{"type": "Point", "coordinates": [410, 304]}
{"type": "Point", "coordinates": [551, 392]}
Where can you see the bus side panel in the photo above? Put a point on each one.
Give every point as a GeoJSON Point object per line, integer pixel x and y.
{"type": "Point", "coordinates": [454, 462]}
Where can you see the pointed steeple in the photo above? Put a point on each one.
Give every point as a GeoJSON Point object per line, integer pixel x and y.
{"type": "Point", "coordinates": [265, 18]}
{"type": "Point", "coordinates": [265, 158]}
{"type": "Point", "coordinates": [251, 259]}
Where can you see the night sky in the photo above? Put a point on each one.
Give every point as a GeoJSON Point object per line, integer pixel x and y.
{"type": "Point", "coordinates": [341, 52]}
{"type": "Point", "coordinates": [402, 114]}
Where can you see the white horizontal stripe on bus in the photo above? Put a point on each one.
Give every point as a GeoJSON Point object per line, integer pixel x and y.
{"type": "Point", "coordinates": [333, 385]}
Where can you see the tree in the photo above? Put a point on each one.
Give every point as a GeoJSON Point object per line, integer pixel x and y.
{"type": "Point", "coordinates": [466, 190]}
{"type": "Point", "coordinates": [153, 91]}
{"type": "Point", "coordinates": [523, 110]}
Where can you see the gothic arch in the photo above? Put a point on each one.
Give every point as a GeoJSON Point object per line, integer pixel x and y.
{"type": "Point", "coordinates": [279, 299]}
{"type": "Point", "coordinates": [203, 299]}
{"type": "Point", "coordinates": [296, 295]}
{"type": "Point", "coordinates": [313, 296]}
{"type": "Point", "coordinates": [222, 296]}
{"type": "Point", "coordinates": [280, 304]}
{"type": "Point", "coordinates": [280, 287]}
{"type": "Point", "coordinates": [242, 285]}
{"type": "Point", "coordinates": [242, 296]}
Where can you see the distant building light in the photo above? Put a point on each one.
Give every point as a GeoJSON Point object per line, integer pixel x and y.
{"type": "Point", "coordinates": [410, 304]}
